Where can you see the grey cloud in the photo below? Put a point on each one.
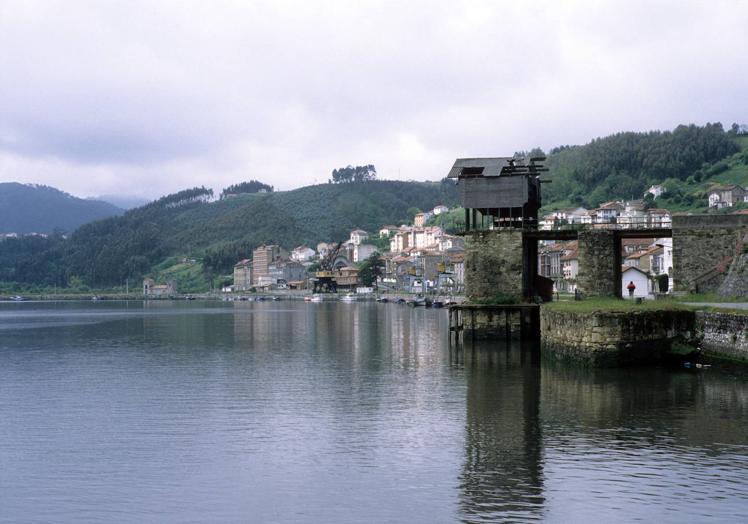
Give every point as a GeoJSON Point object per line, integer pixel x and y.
{"type": "Point", "coordinates": [164, 95]}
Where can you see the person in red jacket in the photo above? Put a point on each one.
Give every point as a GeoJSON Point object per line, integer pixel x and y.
{"type": "Point", "coordinates": [631, 287]}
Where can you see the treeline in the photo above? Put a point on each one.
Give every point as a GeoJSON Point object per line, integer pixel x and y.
{"type": "Point", "coordinates": [625, 164]}
{"type": "Point", "coordinates": [354, 174]}
{"type": "Point", "coordinates": [253, 186]}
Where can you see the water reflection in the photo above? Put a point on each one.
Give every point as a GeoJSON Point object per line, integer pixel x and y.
{"type": "Point", "coordinates": [330, 412]}
{"type": "Point", "coordinates": [502, 478]}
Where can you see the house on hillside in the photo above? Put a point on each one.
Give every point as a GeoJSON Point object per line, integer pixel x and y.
{"type": "Point", "coordinates": [726, 195]}
{"type": "Point", "coordinates": [655, 191]}
{"type": "Point", "coordinates": [438, 210]}
{"type": "Point", "coordinates": [358, 236]}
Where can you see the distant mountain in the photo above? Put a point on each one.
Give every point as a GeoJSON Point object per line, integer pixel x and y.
{"type": "Point", "coordinates": [27, 208]}
{"type": "Point", "coordinates": [123, 202]}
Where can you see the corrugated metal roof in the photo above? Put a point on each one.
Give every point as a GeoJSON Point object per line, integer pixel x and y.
{"type": "Point", "coordinates": [491, 166]}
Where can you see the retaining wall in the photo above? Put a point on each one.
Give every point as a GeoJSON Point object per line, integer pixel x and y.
{"type": "Point", "coordinates": [723, 334]}
{"type": "Point", "coordinates": [607, 339]}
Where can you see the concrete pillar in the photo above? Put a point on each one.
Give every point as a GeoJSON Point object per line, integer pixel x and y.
{"type": "Point", "coordinates": [493, 265]}
{"type": "Point", "coordinates": [599, 264]}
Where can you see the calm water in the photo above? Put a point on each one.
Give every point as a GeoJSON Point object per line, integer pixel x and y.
{"type": "Point", "coordinates": [288, 412]}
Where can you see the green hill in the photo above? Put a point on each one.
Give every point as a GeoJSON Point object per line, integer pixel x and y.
{"type": "Point", "coordinates": [40, 209]}
{"type": "Point", "coordinates": [185, 226]}
{"type": "Point", "coordinates": [686, 160]}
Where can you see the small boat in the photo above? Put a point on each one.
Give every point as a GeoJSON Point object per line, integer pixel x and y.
{"type": "Point", "coordinates": [350, 297]}
{"type": "Point", "coordinates": [17, 298]}
{"type": "Point", "coordinates": [437, 304]}
{"type": "Point", "coordinates": [399, 300]}
{"type": "Point", "coordinates": [383, 300]}
{"type": "Point", "coordinates": [307, 299]}
{"type": "Point", "coordinates": [419, 301]}
{"type": "Point", "coordinates": [317, 298]}
{"type": "Point", "coordinates": [95, 298]}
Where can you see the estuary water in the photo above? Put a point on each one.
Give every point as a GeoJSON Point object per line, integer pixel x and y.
{"type": "Point", "coordinates": [331, 412]}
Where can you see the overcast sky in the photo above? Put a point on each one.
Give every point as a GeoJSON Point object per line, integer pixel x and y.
{"type": "Point", "coordinates": [146, 98]}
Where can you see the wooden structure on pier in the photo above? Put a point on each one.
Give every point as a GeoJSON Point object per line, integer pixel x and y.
{"type": "Point", "coordinates": [503, 191]}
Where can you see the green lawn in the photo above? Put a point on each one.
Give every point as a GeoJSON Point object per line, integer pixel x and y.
{"type": "Point", "coordinates": [592, 305]}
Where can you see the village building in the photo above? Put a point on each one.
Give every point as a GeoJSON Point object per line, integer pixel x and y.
{"type": "Point", "coordinates": [243, 275]}
{"type": "Point", "coordinates": [655, 191]}
{"type": "Point", "coordinates": [607, 213]}
{"type": "Point", "coordinates": [438, 210]}
{"type": "Point", "coordinates": [572, 216]}
{"type": "Point", "coordinates": [660, 218]}
{"type": "Point", "coordinates": [280, 273]}
{"type": "Point", "coordinates": [358, 236]}
{"type": "Point", "coordinates": [421, 219]}
{"type": "Point", "coordinates": [363, 251]}
{"type": "Point", "coordinates": [347, 278]}
{"type": "Point", "coordinates": [151, 289]}
{"type": "Point", "coordinates": [570, 267]}
{"type": "Point", "coordinates": [721, 196]}
{"type": "Point", "coordinates": [302, 254]}
{"type": "Point", "coordinates": [262, 257]}
{"type": "Point", "coordinates": [639, 278]}
{"type": "Point", "coordinates": [386, 231]}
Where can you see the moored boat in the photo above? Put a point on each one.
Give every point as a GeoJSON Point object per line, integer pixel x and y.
{"type": "Point", "coordinates": [349, 297]}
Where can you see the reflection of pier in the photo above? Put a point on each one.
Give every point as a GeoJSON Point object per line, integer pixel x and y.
{"type": "Point", "coordinates": [502, 476]}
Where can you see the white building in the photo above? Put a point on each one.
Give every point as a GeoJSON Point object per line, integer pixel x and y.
{"type": "Point", "coordinates": [438, 210]}
{"type": "Point", "coordinates": [363, 251]}
{"type": "Point", "coordinates": [639, 278]}
{"type": "Point", "coordinates": [386, 231]}
{"type": "Point", "coordinates": [358, 236]}
{"type": "Point", "coordinates": [302, 254]}
{"type": "Point", "coordinates": [655, 191]}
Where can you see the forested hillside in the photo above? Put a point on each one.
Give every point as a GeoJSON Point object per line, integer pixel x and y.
{"type": "Point", "coordinates": [189, 232]}
{"type": "Point", "coordinates": [40, 209]}
{"type": "Point", "coordinates": [624, 165]}
{"type": "Point", "coordinates": [219, 233]}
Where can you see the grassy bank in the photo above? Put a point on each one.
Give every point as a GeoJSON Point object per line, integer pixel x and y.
{"type": "Point", "coordinates": [601, 304]}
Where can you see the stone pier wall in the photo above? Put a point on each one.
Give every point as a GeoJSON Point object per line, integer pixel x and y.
{"type": "Point", "coordinates": [723, 334]}
{"type": "Point", "coordinates": [607, 339]}
{"type": "Point", "coordinates": [597, 263]}
{"type": "Point", "coordinates": [493, 265]}
{"type": "Point", "coordinates": [703, 242]}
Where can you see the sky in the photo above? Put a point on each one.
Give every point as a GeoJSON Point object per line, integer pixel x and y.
{"type": "Point", "coordinates": [147, 98]}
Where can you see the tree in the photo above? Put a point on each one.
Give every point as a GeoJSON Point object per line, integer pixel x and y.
{"type": "Point", "coordinates": [253, 186]}
{"type": "Point", "coordinates": [371, 269]}
{"type": "Point", "coordinates": [354, 174]}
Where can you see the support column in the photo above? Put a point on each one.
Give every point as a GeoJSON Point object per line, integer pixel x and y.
{"type": "Point", "coordinates": [598, 259]}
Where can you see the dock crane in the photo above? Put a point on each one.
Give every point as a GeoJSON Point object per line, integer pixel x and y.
{"type": "Point", "coordinates": [325, 276]}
